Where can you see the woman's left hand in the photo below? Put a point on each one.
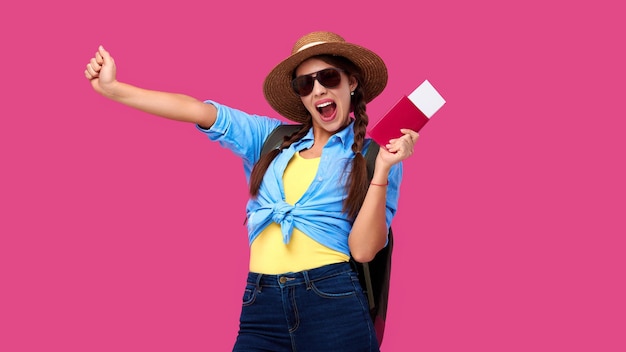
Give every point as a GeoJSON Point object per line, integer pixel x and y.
{"type": "Point", "coordinates": [399, 149]}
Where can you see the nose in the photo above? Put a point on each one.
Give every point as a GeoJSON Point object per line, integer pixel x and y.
{"type": "Point", "coordinates": [318, 88]}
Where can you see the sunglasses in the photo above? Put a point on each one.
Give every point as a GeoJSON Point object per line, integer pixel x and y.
{"type": "Point", "coordinates": [328, 77]}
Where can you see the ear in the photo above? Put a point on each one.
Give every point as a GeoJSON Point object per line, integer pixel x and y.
{"type": "Point", "coordinates": [353, 83]}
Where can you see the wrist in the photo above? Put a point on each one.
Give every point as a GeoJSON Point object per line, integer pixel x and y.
{"type": "Point", "coordinates": [381, 184]}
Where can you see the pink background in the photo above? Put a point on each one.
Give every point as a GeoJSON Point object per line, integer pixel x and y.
{"type": "Point", "coordinates": [123, 232]}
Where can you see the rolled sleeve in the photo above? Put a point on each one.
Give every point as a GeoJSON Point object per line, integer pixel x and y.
{"type": "Point", "coordinates": [240, 132]}
{"type": "Point", "coordinates": [393, 192]}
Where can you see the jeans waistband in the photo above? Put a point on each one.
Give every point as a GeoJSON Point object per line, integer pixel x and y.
{"type": "Point", "coordinates": [300, 277]}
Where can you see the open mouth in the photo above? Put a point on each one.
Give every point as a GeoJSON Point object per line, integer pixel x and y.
{"type": "Point", "coordinates": [327, 109]}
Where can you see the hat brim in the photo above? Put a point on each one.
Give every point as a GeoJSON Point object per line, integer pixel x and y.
{"type": "Point", "coordinates": [282, 98]}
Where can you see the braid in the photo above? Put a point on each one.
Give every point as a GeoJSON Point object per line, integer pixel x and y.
{"type": "Point", "coordinates": [358, 181]}
{"type": "Point", "coordinates": [260, 168]}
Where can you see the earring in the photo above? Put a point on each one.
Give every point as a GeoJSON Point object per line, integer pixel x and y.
{"type": "Point", "coordinates": [352, 93]}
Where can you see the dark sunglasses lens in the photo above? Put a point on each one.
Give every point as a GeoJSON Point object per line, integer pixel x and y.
{"type": "Point", "coordinates": [329, 78]}
{"type": "Point", "coordinates": [303, 85]}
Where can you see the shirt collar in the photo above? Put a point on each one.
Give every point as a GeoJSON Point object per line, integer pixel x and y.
{"type": "Point", "coordinates": [345, 136]}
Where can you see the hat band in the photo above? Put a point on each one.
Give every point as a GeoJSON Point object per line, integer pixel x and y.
{"type": "Point", "coordinates": [306, 46]}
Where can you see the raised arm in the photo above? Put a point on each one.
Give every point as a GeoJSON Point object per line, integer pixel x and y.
{"type": "Point", "coordinates": [101, 72]}
{"type": "Point", "coordinates": [369, 231]}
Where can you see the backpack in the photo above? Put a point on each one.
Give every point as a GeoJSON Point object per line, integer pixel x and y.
{"type": "Point", "coordinates": [375, 275]}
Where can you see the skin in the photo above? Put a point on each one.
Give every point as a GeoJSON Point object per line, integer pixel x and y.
{"type": "Point", "coordinates": [101, 71]}
{"type": "Point", "coordinates": [340, 95]}
{"type": "Point", "coordinates": [369, 231]}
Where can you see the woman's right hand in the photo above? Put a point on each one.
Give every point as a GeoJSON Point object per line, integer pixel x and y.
{"type": "Point", "coordinates": [101, 71]}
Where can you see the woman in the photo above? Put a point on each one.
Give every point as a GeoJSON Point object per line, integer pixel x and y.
{"type": "Point", "coordinates": [311, 205]}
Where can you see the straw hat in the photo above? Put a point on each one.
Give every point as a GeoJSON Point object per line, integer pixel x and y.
{"type": "Point", "coordinates": [277, 85]}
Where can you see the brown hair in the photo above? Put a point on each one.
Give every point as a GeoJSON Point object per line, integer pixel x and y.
{"type": "Point", "coordinates": [357, 184]}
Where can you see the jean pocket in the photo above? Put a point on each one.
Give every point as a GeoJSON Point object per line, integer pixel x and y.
{"type": "Point", "coordinates": [335, 286]}
{"type": "Point", "coordinates": [249, 294]}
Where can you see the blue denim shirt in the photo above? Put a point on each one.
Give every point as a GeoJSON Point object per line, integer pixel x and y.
{"type": "Point", "coordinates": [319, 212]}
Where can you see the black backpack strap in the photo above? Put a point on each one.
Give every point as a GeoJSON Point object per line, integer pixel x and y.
{"type": "Point", "coordinates": [276, 138]}
{"type": "Point", "coordinates": [370, 158]}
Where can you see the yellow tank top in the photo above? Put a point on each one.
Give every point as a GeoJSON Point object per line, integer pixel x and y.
{"type": "Point", "coordinates": [268, 253]}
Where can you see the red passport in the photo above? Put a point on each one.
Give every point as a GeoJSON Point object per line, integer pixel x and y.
{"type": "Point", "coordinates": [412, 112]}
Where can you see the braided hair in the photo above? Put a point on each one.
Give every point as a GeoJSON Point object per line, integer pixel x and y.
{"type": "Point", "coordinates": [357, 185]}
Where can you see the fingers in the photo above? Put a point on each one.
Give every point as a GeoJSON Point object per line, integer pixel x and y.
{"type": "Point", "coordinates": [100, 59]}
{"type": "Point", "coordinates": [403, 147]}
{"type": "Point", "coordinates": [408, 135]}
{"type": "Point", "coordinates": [93, 68]}
{"type": "Point", "coordinates": [412, 134]}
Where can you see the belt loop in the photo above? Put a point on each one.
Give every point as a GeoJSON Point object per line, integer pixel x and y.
{"type": "Point", "coordinates": [258, 281]}
{"type": "Point", "coordinates": [307, 280]}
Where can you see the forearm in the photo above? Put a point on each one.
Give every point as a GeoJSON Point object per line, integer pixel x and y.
{"type": "Point", "coordinates": [172, 106]}
{"type": "Point", "coordinates": [369, 231]}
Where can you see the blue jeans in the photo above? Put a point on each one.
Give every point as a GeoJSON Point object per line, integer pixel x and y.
{"type": "Point", "coordinates": [321, 310]}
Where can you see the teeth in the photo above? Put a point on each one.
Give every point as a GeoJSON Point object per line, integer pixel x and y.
{"type": "Point", "coordinates": [323, 105]}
